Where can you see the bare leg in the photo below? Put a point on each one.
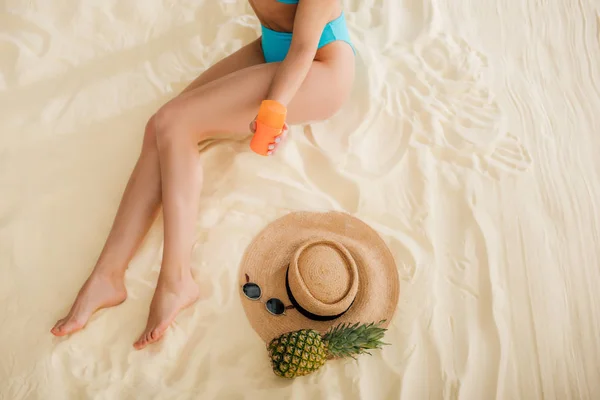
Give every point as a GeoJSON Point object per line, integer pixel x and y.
{"type": "Point", "coordinates": [138, 209]}
{"type": "Point", "coordinates": [176, 288]}
{"type": "Point", "coordinates": [225, 105]}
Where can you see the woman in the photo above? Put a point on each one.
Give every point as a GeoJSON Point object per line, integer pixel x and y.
{"type": "Point", "coordinates": [310, 72]}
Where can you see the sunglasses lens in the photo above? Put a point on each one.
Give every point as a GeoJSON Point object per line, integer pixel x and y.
{"type": "Point", "coordinates": [252, 291]}
{"type": "Point", "coordinates": [275, 306]}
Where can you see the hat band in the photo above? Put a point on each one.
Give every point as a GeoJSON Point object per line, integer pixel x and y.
{"type": "Point", "coordinates": [304, 311]}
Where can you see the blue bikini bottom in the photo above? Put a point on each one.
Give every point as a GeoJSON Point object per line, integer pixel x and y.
{"type": "Point", "coordinates": [276, 45]}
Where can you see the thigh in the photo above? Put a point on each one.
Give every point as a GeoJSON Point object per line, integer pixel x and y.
{"type": "Point", "coordinates": [249, 55]}
{"type": "Point", "coordinates": [230, 103]}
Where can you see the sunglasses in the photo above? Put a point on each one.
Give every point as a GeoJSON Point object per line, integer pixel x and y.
{"type": "Point", "coordinates": [253, 292]}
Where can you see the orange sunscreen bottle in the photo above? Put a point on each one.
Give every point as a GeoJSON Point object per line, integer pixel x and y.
{"type": "Point", "coordinates": [269, 124]}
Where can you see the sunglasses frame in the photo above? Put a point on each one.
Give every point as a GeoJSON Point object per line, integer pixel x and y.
{"type": "Point", "coordinates": [265, 303]}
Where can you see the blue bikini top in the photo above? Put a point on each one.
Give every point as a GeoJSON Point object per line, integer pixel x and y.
{"type": "Point", "coordinates": [288, 1]}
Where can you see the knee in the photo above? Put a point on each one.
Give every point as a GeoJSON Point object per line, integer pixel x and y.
{"type": "Point", "coordinates": [149, 142]}
{"type": "Point", "coordinates": [167, 124]}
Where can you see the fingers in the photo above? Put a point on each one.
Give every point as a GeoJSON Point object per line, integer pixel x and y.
{"type": "Point", "coordinates": [278, 140]}
{"type": "Point", "coordinates": [283, 134]}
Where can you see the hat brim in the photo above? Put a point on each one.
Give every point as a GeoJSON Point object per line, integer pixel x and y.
{"type": "Point", "coordinates": [267, 257]}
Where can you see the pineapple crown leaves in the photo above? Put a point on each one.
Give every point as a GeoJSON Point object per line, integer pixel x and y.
{"type": "Point", "coordinates": [354, 339]}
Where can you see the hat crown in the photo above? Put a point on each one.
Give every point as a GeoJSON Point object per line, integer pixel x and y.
{"type": "Point", "coordinates": [323, 277]}
{"type": "Point", "coordinates": [325, 272]}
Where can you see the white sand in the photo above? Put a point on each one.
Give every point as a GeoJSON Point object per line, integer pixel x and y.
{"type": "Point", "coordinates": [471, 144]}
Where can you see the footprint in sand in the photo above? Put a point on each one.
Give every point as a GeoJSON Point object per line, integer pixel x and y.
{"type": "Point", "coordinates": [454, 111]}
{"type": "Point", "coordinates": [429, 91]}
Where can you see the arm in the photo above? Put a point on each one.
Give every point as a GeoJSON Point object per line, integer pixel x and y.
{"type": "Point", "coordinates": [309, 22]}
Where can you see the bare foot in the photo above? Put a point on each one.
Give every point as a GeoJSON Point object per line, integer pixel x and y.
{"type": "Point", "coordinates": [99, 291]}
{"type": "Point", "coordinates": [169, 298]}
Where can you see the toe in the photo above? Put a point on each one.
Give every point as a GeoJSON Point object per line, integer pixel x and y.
{"type": "Point", "coordinates": [56, 327]}
{"type": "Point", "coordinates": [59, 331]}
{"type": "Point", "coordinates": [144, 339]}
{"type": "Point", "coordinates": [60, 327]}
{"type": "Point", "coordinates": [70, 326]}
{"type": "Point", "coordinates": [141, 341]}
{"type": "Point", "coordinates": [163, 326]}
{"type": "Point", "coordinates": [157, 333]}
{"type": "Point", "coordinates": [153, 336]}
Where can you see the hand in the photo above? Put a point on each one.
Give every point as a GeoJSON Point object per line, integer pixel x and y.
{"type": "Point", "coordinates": [278, 139]}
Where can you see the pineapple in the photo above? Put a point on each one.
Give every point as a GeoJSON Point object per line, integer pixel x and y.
{"type": "Point", "coordinates": [302, 352]}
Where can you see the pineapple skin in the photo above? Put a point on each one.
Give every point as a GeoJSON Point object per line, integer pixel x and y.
{"type": "Point", "coordinates": [304, 351]}
{"type": "Point", "coordinates": [297, 353]}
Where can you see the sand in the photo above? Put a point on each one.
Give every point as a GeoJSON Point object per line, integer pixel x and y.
{"type": "Point", "coordinates": [470, 144]}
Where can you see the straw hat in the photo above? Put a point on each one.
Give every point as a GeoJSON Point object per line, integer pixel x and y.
{"type": "Point", "coordinates": [319, 270]}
